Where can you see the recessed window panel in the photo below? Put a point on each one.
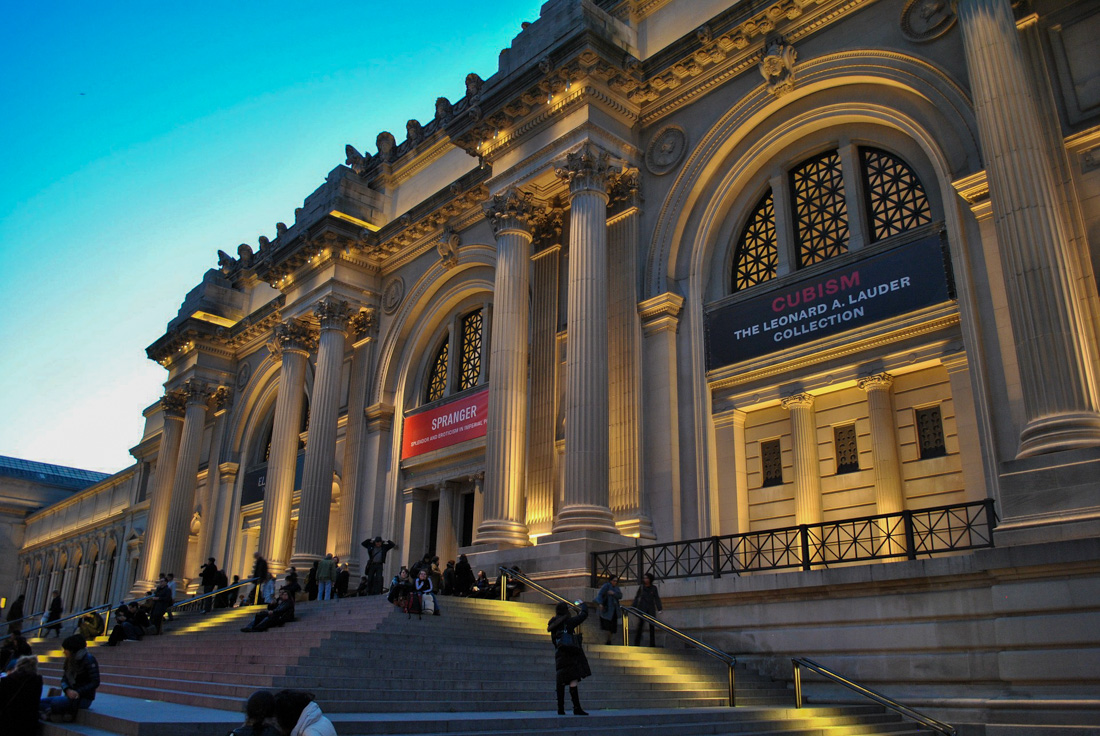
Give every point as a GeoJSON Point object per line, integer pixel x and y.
{"type": "Point", "coordinates": [930, 432]}
{"type": "Point", "coordinates": [437, 378]}
{"type": "Point", "coordinates": [820, 212]}
{"type": "Point", "coordinates": [771, 459]}
{"type": "Point", "coordinates": [895, 197]}
{"type": "Point", "coordinates": [470, 367]}
{"type": "Point", "coordinates": [756, 256]}
{"type": "Point", "coordinates": [847, 451]}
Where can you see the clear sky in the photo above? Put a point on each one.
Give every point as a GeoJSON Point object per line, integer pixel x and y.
{"type": "Point", "coordinates": [142, 137]}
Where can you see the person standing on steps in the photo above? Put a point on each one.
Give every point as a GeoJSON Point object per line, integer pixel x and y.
{"type": "Point", "coordinates": [343, 577]}
{"type": "Point", "coordinates": [56, 609]}
{"type": "Point", "coordinates": [15, 613]}
{"type": "Point", "coordinates": [259, 576]}
{"type": "Point", "coordinates": [376, 562]}
{"type": "Point", "coordinates": [326, 575]}
{"type": "Point", "coordinates": [570, 664]}
{"type": "Point", "coordinates": [647, 600]}
{"type": "Point", "coordinates": [208, 574]}
{"type": "Point", "coordinates": [608, 600]}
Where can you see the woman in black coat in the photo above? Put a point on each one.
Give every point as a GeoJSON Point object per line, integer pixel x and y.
{"type": "Point", "coordinates": [464, 576]}
{"type": "Point", "coordinates": [20, 692]}
{"type": "Point", "coordinates": [647, 600]}
{"type": "Point", "coordinates": [569, 660]}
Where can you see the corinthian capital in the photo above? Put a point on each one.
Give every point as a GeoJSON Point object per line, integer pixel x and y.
{"type": "Point", "coordinates": [798, 401]}
{"type": "Point", "coordinates": [332, 313]}
{"type": "Point", "coordinates": [196, 392]}
{"type": "Point", "coordinates": [363, 324]}
{"type": "Point", "coordinates": [511, 210]}
{"type": "Point", "coordinates": [293, 335]}
{"type": "Point", "coordinates": [174, 404]}
{"type": "Point", "coordinates": [877, 381]}
{"type": "Point", "coordinates": [220, 397]}
{"type": "Point", "coordinates": [585, 169]}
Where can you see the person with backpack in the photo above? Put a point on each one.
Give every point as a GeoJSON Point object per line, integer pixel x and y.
{"type": "Point", "coordinates": [570, 664]}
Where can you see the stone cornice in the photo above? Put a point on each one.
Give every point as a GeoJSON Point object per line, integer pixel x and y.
{"type": "Point", "coordinates": [661, 312]}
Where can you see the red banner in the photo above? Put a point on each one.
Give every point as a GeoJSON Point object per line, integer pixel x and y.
{"type": "Point", "coordinates": [443, 426]}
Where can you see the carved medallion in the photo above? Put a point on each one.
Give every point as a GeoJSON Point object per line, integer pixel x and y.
{"type": "Point", "coordinates": [666, 150]}
{"type": "Point", "coordinates": [392, 295]}
{"type": "Point", "coordinates": [926, 20]}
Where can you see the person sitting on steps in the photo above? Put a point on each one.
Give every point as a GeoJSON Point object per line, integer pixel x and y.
{"type": "Point", "coordinates": [279, 612]}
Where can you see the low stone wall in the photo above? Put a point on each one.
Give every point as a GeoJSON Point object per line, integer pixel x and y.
{"type": "Point", "coordinates": [1005, 635]}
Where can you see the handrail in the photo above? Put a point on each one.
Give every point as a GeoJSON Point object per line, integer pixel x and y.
{"type": "Point", "coordinates": [509, 572]}
{"type": "Point", "coordinates": [707, 649]}
{"type": "Point", "coordinates": [879, 698]}
{"type": "Point", "coordinates": [725, 657]}
{"type": "Point", "coordinates": [219, 591]}
{"type": "Point", "coordinates": [41, 625]}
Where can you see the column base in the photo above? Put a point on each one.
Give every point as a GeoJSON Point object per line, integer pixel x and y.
{"type": "Point", "coordinates": [300, 560]}
{"type": "Point", "coordinates": [502, 532]}
{"type": "Point", "coordinates": [1059, 432]}
{"type": "Point", "coordinates": [585, 517]}
{"type": "Point", "coordinates": [637, 527]}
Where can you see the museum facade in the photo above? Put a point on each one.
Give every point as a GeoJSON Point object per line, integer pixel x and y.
{"type": "Point", "coordinates": [678, 269]}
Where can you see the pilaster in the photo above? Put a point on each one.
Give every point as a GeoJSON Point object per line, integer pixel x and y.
{"type": "Point", "coordinates": [807, 469]}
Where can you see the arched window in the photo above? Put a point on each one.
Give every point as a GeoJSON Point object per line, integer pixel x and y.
{"type": "Point", "coordinates": [465, 339]}
{"type": "Point", "coordinates": [815, 212]}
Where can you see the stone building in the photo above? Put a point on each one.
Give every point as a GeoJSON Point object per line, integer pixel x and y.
{"type": "Point", "coordinates": [805, 260]}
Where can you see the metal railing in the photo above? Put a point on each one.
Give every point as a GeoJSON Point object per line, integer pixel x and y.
{"type": "Point", "coordinates": [705, 648]}
{"type": "Point", "coordinates": [879, 698]}
{"type": "Point", "coordinates": [907, 534]}
{"type": "Point", "coordinates": [182, 605]}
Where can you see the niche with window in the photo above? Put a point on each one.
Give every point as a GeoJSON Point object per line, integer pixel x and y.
{"type": "Point", "coordinates": [459, 361]}
{"type": "Point", "coordinates": [811, 202]}
{"type": "Point", "coordinates": [930, 439]}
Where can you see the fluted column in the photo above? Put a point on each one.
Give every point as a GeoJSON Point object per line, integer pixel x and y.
{"type": "Point", "coordinates": [293, 341]}
{"type": "Point", "coordinates": [889, 493]}
{"type": "Point", "coordinates": [807, 470]}
{"type": "Point", "coordinates": [363, 328]}
{"type": "Point", "coordinates": [173, 406]}
{"type": "Point", "coordinates": [68, 580]}
{"type": "Point", "coordinates": [586, 495]}
{"type": "Point", "coordinates": [506, 435]}
{"type": "Point", "coordinates": [542, 480]}
{"type": "Point", "coordinates": [1057, 367]}
{"type": "Point", "coordinates": [182, 500]}
{"type": "Point", "coordinates": [315, 506]}
{"type": "Point", "coordinates": [212, 528]}
{"type": "Point", "coordinates": [80, 590]}
{"type": "Point", "coordinates": [380, 510]}
{"type": "Point", "coordinates": [445, 544]}
{"type": "Point", "coordinates": [98, 596]}
{"type": "Point", "coordinates": [624, 361]}
{"type": "Point", "coordinates": [41, 592]}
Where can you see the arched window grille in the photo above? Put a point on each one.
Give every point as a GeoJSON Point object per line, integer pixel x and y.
{"type": "Point", "coordinates": [816, 191]}
{"type": "Point", "coordinates": [470, 369]}
{"type": "Point", "coordinates": [895, 198]}
{"type": "Point", "coordinates": [757, 255]}
{"type": "Point", "coordinates": [437, 378]}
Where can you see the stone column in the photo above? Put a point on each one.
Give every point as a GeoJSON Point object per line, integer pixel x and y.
{"type": "Point", "coordinates": [889, 491]}
{"type": "Point", "coordinates": [807, 470]}
{"type": "Point", "coordinates": [212, 529]}
{"type": "Point", "coordinates": [98, 580]}
{"type": "Point", "coordinates": [68, 580]}
{"type": "Point", "coordinates": [1057, 367]}
{"type": "Point", "coordinates": [363, 328]}
{"type": "Point", "coordinates": [80, 590]}
{"type": "Point", "coordinates": [172, 408]}
{"type": "Point", "coordinates": [624, 361]}
{"type": "Point", "coordinates": [414, 535]}
{"type": "Point", "coordinates": [182, 501]}
{"type": "Point", "coordinates": [541, 477]}
{"type": "Point", "coordinates": [506, 437]}
{"type": "Point", "coordinates": [293, 340]}
{"type": "Point", "coordinates": [41, 593]}
{"type": "Point", "coordinates": [587, 468]}
{"type": "Point", "coordinates": [315, 506]}
{"type": "Point", "coordinates": [378, 509]}
{"type": "Point", "coordinates": [221, 506]}
{"type": "Point", "coordinates": [445, 537]}
{"type": "Point", "coordinates": [660, 318]}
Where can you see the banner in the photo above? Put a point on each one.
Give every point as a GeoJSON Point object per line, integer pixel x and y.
{"type": "Point", "coordinates": [255, 481]}
{"type": "Point", "coordinates": [442, 426]}
{"type": "Point", "coordinates": [887, 284]}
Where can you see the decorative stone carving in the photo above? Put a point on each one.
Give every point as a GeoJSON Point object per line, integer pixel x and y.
{"type": "Point", "coordinates": [666, 150]}
{"type": "Point", "coordinates": [797, 401]}
{"type": "Point", "coordinates": [386, 143]}
{"type": "Point", "coordinates": [443, 109]}
{"type": "Point", "coordinates": [414, 132]}
{"type": "Point", "coordinates": [447, 247]}
{"type": "Point", "coordinates": [332, 313]}
{"type": "Point", "coordinates": [879, 380]}
{"type": "Point", "coordinates": [777, 66]}
{"type": "Point", "coordinates": [295, 334]}
{"type": "Point", "coordinates": [174, 403]}
{"type": "Point", "coordinates": [244, 374]}
{"type": "Point", "coordinates": [197, 392]}
{"type": "Point", "coordinates": [280, 229]}
{"type": "Point", "coordinates": [392, 295]}
{"type": "Point", "coordinates": [926, 20]}
{"type": "Point", "coordinates": [244, 255]}
{"type": "Point", "coordinates": [586, 168]}
{"type": "Point", "coordinates": [509, 209]}
{"type": "Point", "coordinates": [363, 323]}
{"type": "Point", "coordinates": [474, 83]}
{"type": "Point", "coordinates": [547, 225]}
{"type": "Point", "coordinates": [226, 262]}
{"type": "Point", "coordinates": [357, 161]}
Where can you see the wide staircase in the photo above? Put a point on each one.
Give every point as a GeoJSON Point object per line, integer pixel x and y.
{"type": "Point", "coordinates": [482, 667]}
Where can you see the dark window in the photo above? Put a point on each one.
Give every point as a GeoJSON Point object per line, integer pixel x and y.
{"type": "Point", "coordinates": [466, 537]}
{"type": "Point", "coordinates": [895, 198]}
{"type": "Point", "coordinates": [757, 254]}
{"type": "Point", "coordinates": [470, 367]}
{"type": "Point", "coordinates": [771, 458]}
{"type": "Point", "coordinates": [820, 211]}
{"type": "Point", "coordinates": [437, 379]}
{"type": "Point", "coordinates": [930, 432]}
{"type": "Point", "coordinates": [847, 452]}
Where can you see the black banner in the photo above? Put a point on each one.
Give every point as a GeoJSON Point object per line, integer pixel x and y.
{"type": "Point", "coordinates": [887, 284]}
{"type": "Point", "coordinates": [255, 481]}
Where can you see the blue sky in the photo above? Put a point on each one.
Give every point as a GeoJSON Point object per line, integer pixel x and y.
{"type": "Point", "coordinates": [142, 137]}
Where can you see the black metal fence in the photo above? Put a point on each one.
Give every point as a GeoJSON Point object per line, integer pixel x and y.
{"type": "Point", "coordinates": [908, 534]}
